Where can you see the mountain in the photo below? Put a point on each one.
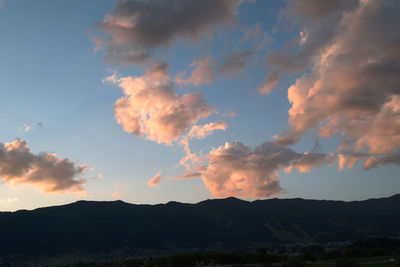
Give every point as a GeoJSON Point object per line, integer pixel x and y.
{"type": "Point", "coordinates": [91, 227]}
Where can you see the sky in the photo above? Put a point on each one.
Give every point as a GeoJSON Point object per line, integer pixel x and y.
{"type": "Point", "coordinates": [180, 100]}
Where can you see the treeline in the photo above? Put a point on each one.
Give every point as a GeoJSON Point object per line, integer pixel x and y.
{"type": "Point", "coordinates": [341, 256]}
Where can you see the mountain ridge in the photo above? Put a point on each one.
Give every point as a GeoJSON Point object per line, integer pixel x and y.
{"type": "Point", "coordinates": [216, 224]}
{"type": "Point", "coordinates": [395, 196]}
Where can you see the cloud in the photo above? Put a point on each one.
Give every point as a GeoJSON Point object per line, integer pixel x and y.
{"type": "Point", "coordinates": [152, 109]}
{"type": "Point", "coordinates": [229, 114]}
{"type": "Point", "coordinates": [25, 128]}
{"type": "Point", "coordinates": [237, 170]}
{"type": "Point", "coordinates": [261, 39]}
{"type": "Point", "coordinates": [201, 131]}
{"type": "Point", "coordinates": [9, 200]}
{"type": "Point", "coordinates": [45, 170]}
{"type": "Point", "coordinates": [188, 175]}
{"type": "Point", "coordinates": [153, 182]}
{"type": "Point", "coordinates": [352, 88]}
{"type": "Point", "coordinates": [206, 68]}
{"type": "Point", "coordinates": [373, 162]}
{"type": "Point", "coordinates": [203, 73]}
{"type": "Point", "coordinates": [98, 43]}
{"type": "Point", "coordinates": [270, 82]}
{"type": "Point", "coordinates": [349, 159]}
{"type": "Point", "coordinates": [316, 9]}
{"type": "Point", "coordinates": [234, 63]}
{"type": "Point", "coordinates": [117, 193]}
{"type": "Point", "coordinates": [135, 28]}
{"type": "Point", "coordinates": [198, 132]}
{"type": "Point", "coordinates": [252, 32]}
{"type": "Point", "coordinates": [318, 22]}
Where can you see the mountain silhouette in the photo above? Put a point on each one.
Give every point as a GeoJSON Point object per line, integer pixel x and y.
{"type": "Point", "coordinates": [91, 226]}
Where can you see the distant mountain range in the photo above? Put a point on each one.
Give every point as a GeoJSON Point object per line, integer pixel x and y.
{"type": "Point", "coordinates": [91, 227]}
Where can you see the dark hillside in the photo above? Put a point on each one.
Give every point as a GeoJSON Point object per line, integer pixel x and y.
{"type": "Point", "coordinates": [87, 226]}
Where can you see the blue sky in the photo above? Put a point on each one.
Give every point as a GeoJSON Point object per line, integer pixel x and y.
{"type": "Point", "coordinates": [52, 81]}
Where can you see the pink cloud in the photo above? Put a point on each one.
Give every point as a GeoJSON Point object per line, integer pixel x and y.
{"type": "Point", "coordinates": [156, 180]}
{"type": "Point", "coordinates": [198, 132]}
{"type": "Point", "coordinates": [98, 42]}
{"type": "Point", "coordinates": [229, 114]}
{"type": "Point", "coordinates": [352, 88]}
{"type": "Point", "coordinates": [152, 109]}
{"type": "Point", "coordinates": [317, 23]}
{"type": "Point", "coordinates": [237, 170]}
{"type": "Point", "coordinates": [201, 131]}
{"type": "Point", "coordinates": [203, 73]}
{"type": "Point", "coordinates": [117, 193]}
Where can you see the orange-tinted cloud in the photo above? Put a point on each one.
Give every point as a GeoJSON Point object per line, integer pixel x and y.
{"type": "Point", "coordinates": [46, 170]}
{"type": "Point", "coordinates": [152, 109]}
{"type": "Point", "coordinates": [237, 170]}
{"type": "Point", "coordinates": [203, 73]}
{"type": "Point", "coordinates": [98, 43]}
{"type": "Point", "coordinates": [198, 132]}
{"type": "Point", "coordinates": [229, 114]}
{"type": "Point", "coordinates": [353, 86]}
{"type": "Point", "coordinates": [317, 22]}
{"type": "Point", "coordinates": [153, 182]}
{"type": "Point", "coordinates": [201, 131]}
{"type": "Point", "coordinates": [117, 193]}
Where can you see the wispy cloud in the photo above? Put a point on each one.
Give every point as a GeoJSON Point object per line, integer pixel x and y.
{"type": "Point", "coordinates": [25, 128]}
{"type": "Point", "coordinates": [234, 63]}
{"type": "Point", "coordinates": [156, 180]}
{"type": "Point", "coordinates": [202, 73]}
{"type": "Point", "coordinates": [229, 114]}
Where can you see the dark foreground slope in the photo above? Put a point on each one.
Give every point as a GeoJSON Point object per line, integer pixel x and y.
{"type": "Point", "coordinates": [87, 226]}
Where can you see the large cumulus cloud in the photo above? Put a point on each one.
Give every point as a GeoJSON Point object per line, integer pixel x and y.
{"type": "Point", "coordinates": [152, 109]}
{"type": "Point", "coordinates": [45, 170]}
{"type": "Point", "coordinates": [353, 87]}
{"type": "Point", "coordinates": [136, 27]}
{"type": "Point", "coordinates": [236, 170]}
